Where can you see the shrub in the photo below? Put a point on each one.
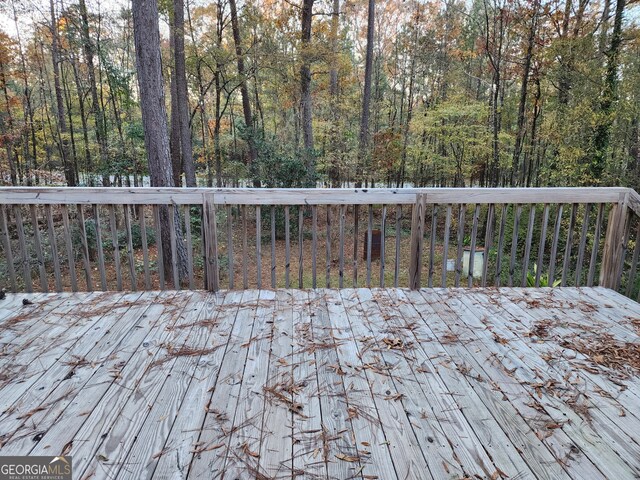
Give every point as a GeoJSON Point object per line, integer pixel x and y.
{"type": "Point", "coordinates": [544, 279]}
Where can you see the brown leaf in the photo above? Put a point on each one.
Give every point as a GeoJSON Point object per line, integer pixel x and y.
{"type": "Point", "coordinates": [66, 449]}
{"type": "Point", "coordinates": [245, 449]}
{"type": "Point", "coordinates": [347, 458]}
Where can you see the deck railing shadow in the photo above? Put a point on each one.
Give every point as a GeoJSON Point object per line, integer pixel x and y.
{"type": "Point", "coordinates": [84, 239]}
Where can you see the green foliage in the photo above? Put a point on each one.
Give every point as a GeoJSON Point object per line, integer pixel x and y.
{"type": "Point", "coordinates": [277, 168]}
{"type": "Point", "coordinates": [136, 236]}
{"type": "Point", "coordinates": [544, 279]}
{"type": "Point", "coordinates": [432, 102]}
{"type": "Point", "coordinates": [464, 140]}
{"type": "Point", "coordinates": [107, 244]}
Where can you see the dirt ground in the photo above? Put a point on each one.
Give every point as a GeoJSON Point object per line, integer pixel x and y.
{"type": "Point", "coordinates": [327, 272]}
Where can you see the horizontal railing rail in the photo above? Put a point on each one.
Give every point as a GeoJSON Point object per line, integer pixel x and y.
{"type": "Point", "coordinates": [308, 196]}
{"type": "Point", "coordinates": [156, 238]}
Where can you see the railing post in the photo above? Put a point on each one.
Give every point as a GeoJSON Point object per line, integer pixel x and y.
{"type": "Point", "coordinates": [417, 240]}
{"type": "Point", "coordinates": [210, 242]}
{"type": "Point", "coordinates": [611, 268]}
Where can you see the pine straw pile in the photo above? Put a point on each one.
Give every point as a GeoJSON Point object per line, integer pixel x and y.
{"type": "Point", "coordinates": [636, 324]}
{"type": "Point", "coordinates": [604, 350]}
{"type": "Point", "coordinates": [27, 313]}
{"type": "Point", "coordinates": [182, 351]}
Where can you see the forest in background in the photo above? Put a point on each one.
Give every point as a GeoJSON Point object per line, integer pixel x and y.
{"type": "Point", "coordinates": [279, 93]}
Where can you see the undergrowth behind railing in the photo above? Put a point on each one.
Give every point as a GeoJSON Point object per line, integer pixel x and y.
{"type": "Point", "coordinates": [115, 239]}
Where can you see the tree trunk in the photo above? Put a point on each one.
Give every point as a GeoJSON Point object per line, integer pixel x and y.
{"type": "Point", "coordinates": [521, 129]}
{"type": "Point", "coordinates": [405, 134]}
{"type": "Point", "coordinates": [101, 129]}
{"type": "Point", "coordinates": [6, 127]}
{"type": "Point", "coordinates": [202, 91]}
{"type": "Point", "coordinates": [244, 92]}
{"type": "Point", "coordinates": [186, 148]}
{"type": "Point", "coordinates": [608, 98]}
{"type": "Point", "coordinates": [217, 151]}
{"type": "Point", "coordinates": [333, 73]}
{"type": "Point", "coordinates": [29, 155]}
{"type": "Point", "coordinates": [604, 27]}
{"type": "Point", "coordinates": [154, 115]}
{"type": "Point", "coordinates": [174, 132]}
{"type": "Point", "coordinates": [530, 152]}
{"type": "Point", "coordinates": [88, 164]}
{"type": "Point", "coordinates": [363, 143]}
{"type": "Point", "coordinates": [306, 107]}
{"type": "Point", "coordinates": [494, 55]}
{"type": "Point", "coordinates": [62, 123]}
{"type": "Point", "coordinates": [67, 99]}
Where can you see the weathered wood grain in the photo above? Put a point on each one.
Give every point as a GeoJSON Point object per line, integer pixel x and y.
{"type": "Point", "coordinates": [319, 196]}
{"type": "Point", "coordinates": [393, 383]}
{"type": "Point", "coordinates": [100, 250]}
{"type": "Point", "coordinates": [37, 245]}
{"type": "Point", "coordinates": [417, 241]}
{"type": "Point", "coordinates": [6, 245]}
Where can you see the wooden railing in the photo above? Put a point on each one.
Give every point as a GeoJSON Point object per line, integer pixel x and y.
{"type": "Point", "coordinates": [158, 238]}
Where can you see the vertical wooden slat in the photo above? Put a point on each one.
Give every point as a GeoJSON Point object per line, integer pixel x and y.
{"type": "Point", "coordinates": [245, 249]}
{"type": "Point", "coordinates": [609, 246]}
{"type": "Point", "coordinates": [554, 245]}
{"type": "Point", "coordinates": [210, 235]}
{"type": "Point", "coordinates": [634, 264]}
{"type": "Point", "coordinates": [396, 267]}
{"type": "Point", "coordinates": [287, 248]}
{"type": "Point", "coordinates": [445, 247]}
{"type": "Point", "coordinates": [432, 245]}
{"type": "Point", "coordinates": [6, 243]}
{"type": "Point", "coordinates": [314, 245]}
{"type": "Point", "coordinates": [145, 246]}
{"type": "Point", "coordinates": [527, 246]}
{"type": "Point", "coordinates": [174, 247]}
{"type": "Point", "coordinates": [488, 242]}
{"type": "Point", "coordinates": [160, 255]}
{"type": "Point", "coordinates": [328, 247]}
{"type": "Point", "coordinates": [583, 243]}
{"type": "Point", "coordinates": [259, 246]}
{"type": "Point", "coordinates": [203, 246]}
{"type": "Point", "coordinates": [514, 243]}
{"type": "Point", "coordinates": [472, 252]}
{"type": "Point", "coordinates": [568, 246]}
{"type": "Point", "coordinates": [67, 239]}
{"type": "Point", "coordinates": [356, 223]}
{"type": "Point", "coordinates": [115, 245]}
{"type": "Point", "coordinates": [24, 251]}
{"type": "Point", "coordinates": [417, 240]}
{"type": "Point", "coordinates": [503, 222]}
{"type": "Point", "coordinates": [369, 246]}
{"type": "Point", "coordinates": [85, 247]}
{"type": "Point", "coordinates": [625, 247]}
{"type": "Point", "coordinates": [230, 257]}
{"type": "Point", "coordinates": [132, 264]}
{"type": "Point", "coordinates": [273, 246]}
{"type": "Point", "coordinates": [51, 234]}
{"type": "Point", "coordinates": [343, 209]}
{"type": "Point", "coordinates": [300, 246]}
{"type": "Point", "coordinates": [460, 246]}
{"type": "Point", "coordinates": [44, 283]}
{"type": "Point", "coordinates": [543, 241]}
{"type": "Point", "coordinates": [186, 212]}
{"type": "Point", "coordinates": [383, 235]}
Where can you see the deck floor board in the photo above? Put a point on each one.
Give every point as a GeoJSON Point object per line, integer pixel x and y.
{"type": "Point", "coordinates": [323, 384]}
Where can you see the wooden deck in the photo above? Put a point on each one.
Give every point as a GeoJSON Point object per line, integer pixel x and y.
{"type": "Point", "coordinates": [383, 383]}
